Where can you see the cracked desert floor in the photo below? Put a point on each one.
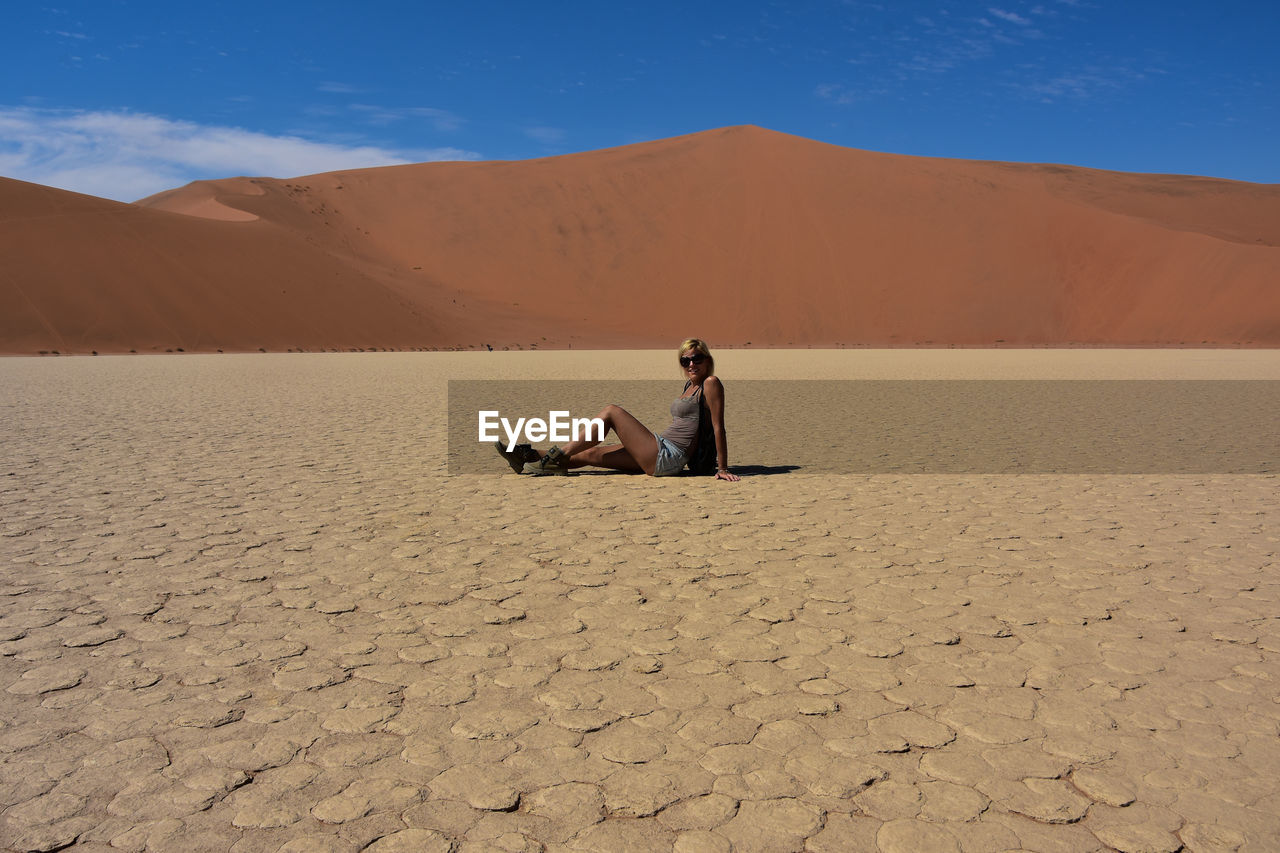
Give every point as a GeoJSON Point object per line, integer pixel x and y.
{"type": "Point", "coordinates": [244, 607]}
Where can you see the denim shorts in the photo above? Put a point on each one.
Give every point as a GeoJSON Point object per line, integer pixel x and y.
{"type": "Point", "coordinates": [671, 458]}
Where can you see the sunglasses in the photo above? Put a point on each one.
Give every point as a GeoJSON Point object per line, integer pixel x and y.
{"type": "Point", "coordinates": [696, 358]}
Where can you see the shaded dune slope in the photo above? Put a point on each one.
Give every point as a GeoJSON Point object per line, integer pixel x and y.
{"type": "Point", "coordinates": [738, 235]}
{"type": "Point", "coordinates": [82, 274]}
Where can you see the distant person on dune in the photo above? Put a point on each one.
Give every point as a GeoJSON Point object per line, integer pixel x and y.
{"type": "Point", "coordinates": [696, 436]}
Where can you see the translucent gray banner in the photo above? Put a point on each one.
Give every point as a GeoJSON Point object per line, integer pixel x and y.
{"type": "Point", "coordinates": [925, 426]}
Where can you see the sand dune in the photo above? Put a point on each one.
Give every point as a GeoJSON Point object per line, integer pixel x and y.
{"type": "Point", "coordinates": [84, 274]}
{"type": "Point", "coordinates": [741, 235]}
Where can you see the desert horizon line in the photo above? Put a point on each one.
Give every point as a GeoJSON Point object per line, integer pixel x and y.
{"type": "Point", "coordinates": [179, 139]}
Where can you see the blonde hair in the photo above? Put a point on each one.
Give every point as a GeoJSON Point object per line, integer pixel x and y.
{"type": "Point", "coordinates": [700, 346]}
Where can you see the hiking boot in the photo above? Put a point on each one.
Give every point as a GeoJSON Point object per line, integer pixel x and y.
{"type": "Point", "coordinates": [554, 462]}
{"type": "Point", "coordinates": [517, 456]}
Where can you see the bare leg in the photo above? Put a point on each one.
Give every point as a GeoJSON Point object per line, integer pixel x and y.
{"type": "Point", "coordinates": [639, 449]}
{"type": "Point", "coordinates": [613, 456]}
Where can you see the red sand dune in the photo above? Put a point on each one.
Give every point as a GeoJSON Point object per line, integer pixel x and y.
{"type": "Point", "coordinates": [736, 235]}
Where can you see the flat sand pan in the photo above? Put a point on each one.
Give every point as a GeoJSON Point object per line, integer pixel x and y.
{"type": "Point", "coordinates": [244, 606]}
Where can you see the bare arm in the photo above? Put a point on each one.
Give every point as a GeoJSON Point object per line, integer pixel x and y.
{"type": "Point", "coordinates": [714, 392]}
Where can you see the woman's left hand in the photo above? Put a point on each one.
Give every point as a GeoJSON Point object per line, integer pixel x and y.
{"type": "Point", "coordinates": [727, 475]}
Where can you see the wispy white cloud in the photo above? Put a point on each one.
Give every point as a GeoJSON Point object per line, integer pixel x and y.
{"type": "Point", "coordinates": [1082, 84]}
{"type": "Point", "coordinates": [545, 135]}
{"type": "Point", "coordinates": [338, 88]}
{"type": "Point", "coordinates": [441, 120]}
{"type": "Point", "coordinates": [899, 48]}
{"type": "Point", "coordinates": [1011, 17]}
{"type": "Point", "coordinates": [126, 156]}
{"type": "Point", "coordinates": [835, 93]}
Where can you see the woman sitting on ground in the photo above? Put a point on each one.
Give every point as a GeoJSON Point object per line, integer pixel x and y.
{"type": "Point", "coordinates": [641, 450]}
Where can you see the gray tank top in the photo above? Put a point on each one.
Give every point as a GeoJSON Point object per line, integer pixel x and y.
{"type": "Point", "coordinates": [683, 431]}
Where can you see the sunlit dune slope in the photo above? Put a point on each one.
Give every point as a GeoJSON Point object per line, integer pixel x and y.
{"type": "Point", "coordinates": [737, 235]}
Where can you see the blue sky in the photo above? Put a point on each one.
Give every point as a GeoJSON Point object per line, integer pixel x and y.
{"type": "Point", "coordinates": [122, 99]}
